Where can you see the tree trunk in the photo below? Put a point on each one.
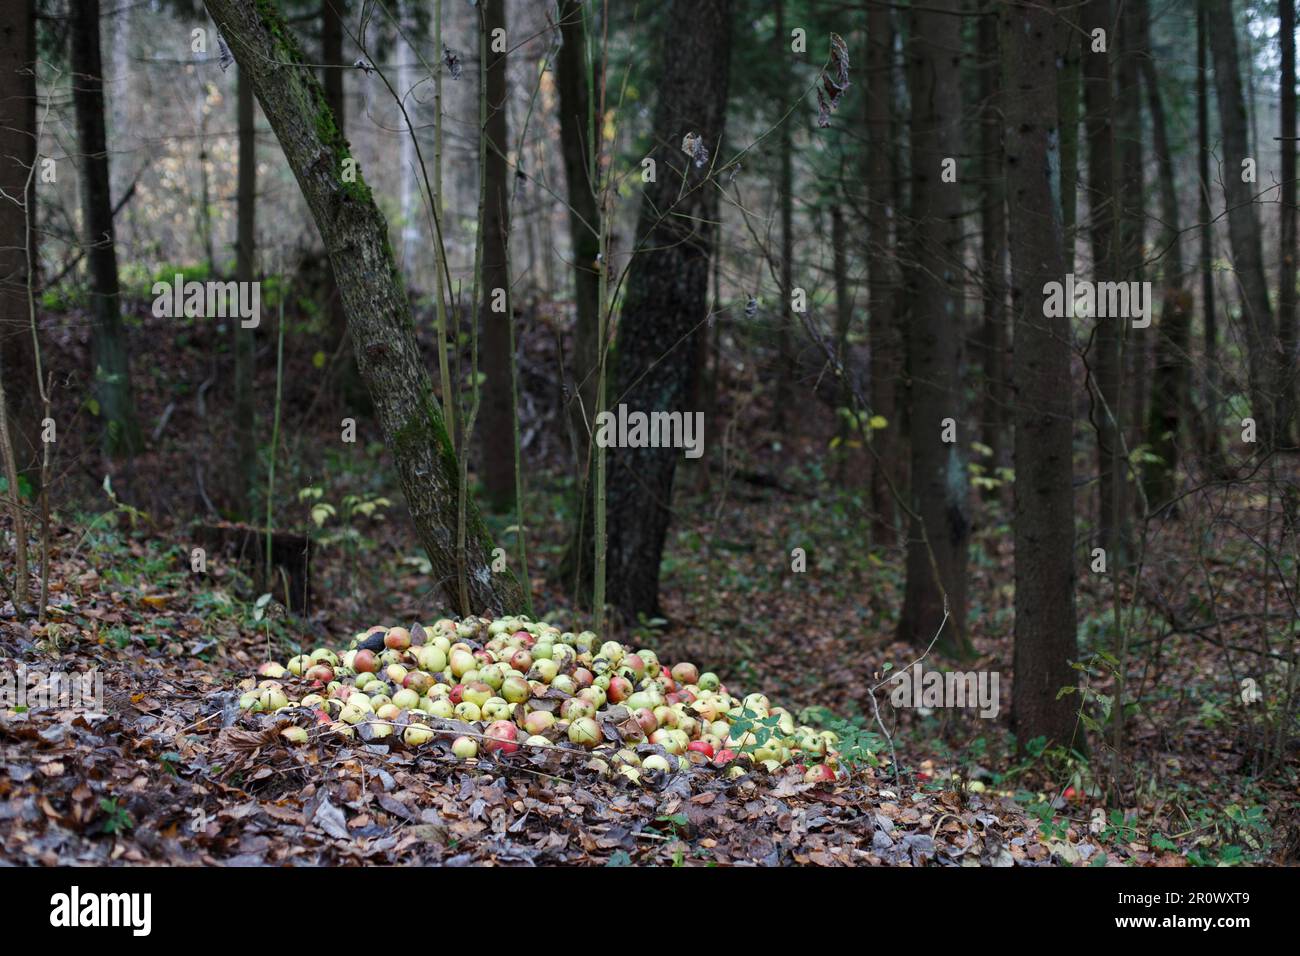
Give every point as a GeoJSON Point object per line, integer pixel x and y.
{"type": "Point", "coordinates": [1211, 445]}
{"type": "Point", "coordinates": [374, 299]}
{"type": "Point", "coordinates": [331, 48]}
{"type": "Point", "coordinates": [245, 271]}
{"type": "Point", "coordinates": [1067, 98]}
{"type": "Point", "coordinates": [1243, 224]}
{"type": "Point", "coordinates": [940, 532]}
{"type": "Point", "coordinates": [666, 301]}
{"type": "Point", "coordinates": [1104, 356]}
{"type": "Point", "coordinates": [1287, 329]}
{"type": "Point", "coordinates": [1131, 209]}
{"type": "Point", "coordinates": [498, 419]}
{"type": "Point", "coordinates": [1044, 511]}
{"type": "Point", "coordinates": [18, 235]}
{"type": "Point", "coordinates": [1169, 381]}
{"type": "Point", "coordinates": [994, 345]}
{"type": "Point", "coordinates": [576, 132]}
{"type": "Point", "coordinates": [882, 274]}
{"type": "Point", "coordinates": [785, 189]}
{"type": "Point", "coordinates": [112, 367]}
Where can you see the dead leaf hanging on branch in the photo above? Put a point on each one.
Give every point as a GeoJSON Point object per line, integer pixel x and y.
{"type": "Point", "coordinates": [693, 146]}
{"type": "Point", "coordinates": [834, 81]}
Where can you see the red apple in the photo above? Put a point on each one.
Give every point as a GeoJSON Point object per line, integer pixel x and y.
{"type": "Point", "coordinates": [364, 662]}
{"type": "Point", "coordinates": [699, 746]}
{"type": "Point", "coordinates": [724, 757]}
{"type": "Point", "coordinates": [620, 689]}
{"type": "Point", "coordinates": [501, 736]}
{"type": "Point", "coordinates": [685, 673]}
{"type": "Point", "coordinates": [321, 672]}
{"type": "Point", "coordinates": [819, 773]}
{"type": "Point", "coordinates": [397, 639]}
{"type": "Point", "coordinates": [646, 718]}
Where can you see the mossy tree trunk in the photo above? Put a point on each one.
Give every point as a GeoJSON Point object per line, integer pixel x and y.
{"type": "Point", "coordinates": [374, 300]}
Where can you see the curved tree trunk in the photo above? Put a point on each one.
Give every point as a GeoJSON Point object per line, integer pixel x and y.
{"type": "Point", "coordinates": [374, 299]}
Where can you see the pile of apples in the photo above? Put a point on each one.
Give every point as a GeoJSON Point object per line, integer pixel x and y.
{"type": "Point", "coordinates": [528, 685]}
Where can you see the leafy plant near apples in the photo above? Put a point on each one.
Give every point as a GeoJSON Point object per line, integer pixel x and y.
{"type": "Point", "coordinates": [530, 685]}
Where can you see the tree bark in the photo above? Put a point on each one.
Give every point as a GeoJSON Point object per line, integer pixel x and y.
{"type": "Point", "coordinates": [1211, 445]}
{"type": "Point", "coordinates": [785, 190]}
{"type": "Point", "coordinates": [1130, 198]}
{"type": "Point", "coordinates": [882, 277]}
{"type": "Point", "coordinates": [498, 418]}
{"type": "Point", "coordinates": [940, 530]}
{"type": "Point", "coordinates": [374, 299]}
{"type": "Point", "coordinates": [18, 235]}
{"type": "Point", "coordinates": [245, 271]}
{"type": "Point", "coordinates": [994, 344]}
{"type": "Point", "coordinates": [1288, 331]}
{"type": "Point", "coordinates": [665, 307]}
{"type": "Point", "coordinates": [1243, 224]}
{"type": "Point", "coordinates": [112, 367]}
{"type": "Point", "coordinates": [1169, 381]}
{"type": "Point", "coordinates": [1104, 356]}
{"type": "Point", "coordinates": [1045, 624]}
{"type": "Point", "coordinates": [331, 44]}
{"type": "Point", "coordinates": [578, 149]}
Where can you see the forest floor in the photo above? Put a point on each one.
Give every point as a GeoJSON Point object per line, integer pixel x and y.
{"type": "Point", "coordinates": [172, 772]}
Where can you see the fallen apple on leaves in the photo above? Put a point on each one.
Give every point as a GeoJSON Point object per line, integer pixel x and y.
{"type": "Point", "coordinates": [514, 677]}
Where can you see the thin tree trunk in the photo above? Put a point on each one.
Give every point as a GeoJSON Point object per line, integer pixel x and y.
{"type": "Point", "coordinates": [1211, 446]}
{"type": "Point", "coordinates": [1135, 349]}
{"type": "Point", "coordinates": [112, 367]}
{"type": "Point", "coordinates": [331, 41]}
{"type": "Point", "coordinates": [495, 309]}
{"type": "Point", "coordinates": [245, 271]}
{"type": "Point", "coordinates": [577, 151]}
{"type": "Point", "coordinates": [882, 276]}
{"type": "Point", "coordinates": [785, 190]}
{"type": "Point", "coordinates": [843, 314]}
{"type": "Point", "coordinates": [1243, 224]}
{"type": "Point", "coordinates": [1067, 97]}
{"type": "Point", "coordinates": [1286, 299]}
{"type": "Point", "coordinates": [17, 212]}
{"type": "Point", "coordinates": [375, 302]}
{"type": "Point", "coordinates": [666, 302]}
{"type": "Point", "coordinates": [993, 339]}
{"type": "Point", "coordinates": [1045, 642]}
{"type": "Point", "coordinates": [1169, 381]}
{"type": "Point", "coordinates": [940, 528]}
{"type": "Point", "coordinates": [1104, 356]}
